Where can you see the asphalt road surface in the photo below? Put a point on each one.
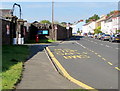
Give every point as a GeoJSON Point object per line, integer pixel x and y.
{"type": "Point", "coordinates": [93, 62]}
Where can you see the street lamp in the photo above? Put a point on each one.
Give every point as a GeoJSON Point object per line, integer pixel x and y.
{"type": "Point", "coordinates": [52, 19]}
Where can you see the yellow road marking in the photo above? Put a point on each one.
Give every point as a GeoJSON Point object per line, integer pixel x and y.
{"type": "Point", "coordinates": [117, 68]}
{"type": "Point", "coordinates": [104, 59]}
{"type": "Point", "coordinates": [67, 57]}
{"type": "Point", "coordinates": [85, 52]}
{"type": "Point", "coordinates": [66, 74]}
{"type": "Point", "coordinates": [110, 63]}
{"type": "Point", "coordinates": [99, 55]}
{"type": "Point", "coordinates": [96, 53]}
{"type": "Point", "coordinates": [90, 50]}
{"type": "Point", "coordinates": [78, 56]}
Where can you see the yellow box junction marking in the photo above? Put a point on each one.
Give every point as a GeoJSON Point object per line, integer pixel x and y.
{"type": "Point", "coordinates": [71, 54]}
{"type": "Point", "coordinates": [67, 75]}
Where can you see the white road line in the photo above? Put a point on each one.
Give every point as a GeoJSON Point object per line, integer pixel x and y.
{"type": "Point", "coordinates": [117, 48]}
{"type": "Point", "coordinates": [101, 44]}
{"type": "Point", "coordinates": [107, 46]}
{"type": "Point", "coordinates": [95, 42]}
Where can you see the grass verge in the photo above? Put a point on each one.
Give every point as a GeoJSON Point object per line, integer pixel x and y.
{"type": "Point", "coordinates": [13, 58]}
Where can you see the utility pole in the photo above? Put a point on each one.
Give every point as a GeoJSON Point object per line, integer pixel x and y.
{"type": "Point", "coordinates": [52, 19]}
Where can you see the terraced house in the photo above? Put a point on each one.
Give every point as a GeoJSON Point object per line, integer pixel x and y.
{"type": "Point", "coordinates": [109, 23]}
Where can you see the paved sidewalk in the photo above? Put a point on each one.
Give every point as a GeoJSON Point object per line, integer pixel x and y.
{"type": "Point", "coordinates": [39, 73]}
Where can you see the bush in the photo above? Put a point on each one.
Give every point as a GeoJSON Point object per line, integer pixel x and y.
{"type": "Point", "coordinates": [98, 30]}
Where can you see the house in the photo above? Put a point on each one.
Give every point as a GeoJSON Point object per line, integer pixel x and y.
{"type": "Point", "coordinates": [77, 27]}
{"type": "Point", "coordinates": [116, 22]}
{"type": "Point", "coordinates": [5, 14]}
{"type": "Point", "coordinates": [110, 24]}
{"type": "Point", "coordinates": [89, 27]}
{"type": "Point", "coordinates": [98, 22]}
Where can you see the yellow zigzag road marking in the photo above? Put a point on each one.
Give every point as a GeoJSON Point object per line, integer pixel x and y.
{"type": "Point", "coordinates": [66, 74]}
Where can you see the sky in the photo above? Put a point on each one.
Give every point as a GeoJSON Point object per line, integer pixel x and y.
{"type": "Point", "coordinates": [63, 11]}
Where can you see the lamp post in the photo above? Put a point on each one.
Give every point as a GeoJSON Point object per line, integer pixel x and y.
{"type": "Point", "coordinates": [52, 19]}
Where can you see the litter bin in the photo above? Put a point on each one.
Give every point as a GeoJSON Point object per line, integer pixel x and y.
{"type": "Point", "coordinates": [22, 40]}
{"type": "Point", "coordinates": [14, 41]}
{"type": "Point", "coordinates": [19, 40]}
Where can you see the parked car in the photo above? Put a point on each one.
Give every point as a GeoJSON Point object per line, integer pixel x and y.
{"type": "Point", "coordinates": [115, 38]}
{"type": "Point", "coordinates": [90, 35]}
{"type": "Point", "coordinates": [100, 35]}
{"type": "Point", "coordinates": [95, 36]}
{"type": "Point", "coordinates": [112, 38]}
{"type": "Point", "coordinates": [105, 37]}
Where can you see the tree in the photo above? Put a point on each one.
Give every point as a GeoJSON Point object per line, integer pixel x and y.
{"type": "Point", "coordinates": [94, 17]}
{"type": "Point", "coordinates": [56, 22]}
{"type": "Point", "coordinates": [117, 31]}
{"type": "Point", "coordinates": [35, 22]}
{"type": "Point", "coordinates": [78, 32]}
{"type": "Point", "coordinates": [98, 30]}
{"type": "Point", "coordinates": [64, 23]}
{"type": "Point", "coordinates": [45, 22]}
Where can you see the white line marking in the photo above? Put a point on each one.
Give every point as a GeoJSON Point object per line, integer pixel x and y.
{"type": "Point", "coordinates": [101, 44]}
{"type": "Point", "coordinates": [95, 42]}
{"type": "Point", "coordinates": [107, 46]}
{"type": "Point", "coordinates": [99, 55]}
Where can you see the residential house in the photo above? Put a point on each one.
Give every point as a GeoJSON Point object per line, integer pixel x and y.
{"type": "Point", "coordinates": [110, 24]}
{"type": "Point", "coordinates": [89, 27]}
{"type": "Point", "coordinates": [5, 14]}
{"type": "Point", "coordinates": [77, 27]}
{"type": "Point", "coordinates": [106, 25]}
{"type": "Point", "coordinates": [98, 22]}
{"type": "Point", "coordinates": [116, 21]}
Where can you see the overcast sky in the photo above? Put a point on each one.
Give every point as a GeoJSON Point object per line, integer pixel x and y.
{"type": "Point", "coordinates": [63, 11]}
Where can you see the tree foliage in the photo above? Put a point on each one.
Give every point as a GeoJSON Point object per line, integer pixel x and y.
{"type": "Point", "coordinates": [98, 30]}
{"type": "Point", "coordinates": [112, 12]}
{"type": "Point", "coordinates": [117, 31]}
{"type": "Point", "coordinates": [45, 22]}
{"type": "Point", "coordinates": [94, 17]}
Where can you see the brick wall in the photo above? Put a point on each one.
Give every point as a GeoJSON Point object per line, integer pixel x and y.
{"type": "Point", "coordinates": [5, 36]}
{"type": "Point", "coordinates": [60, 33]}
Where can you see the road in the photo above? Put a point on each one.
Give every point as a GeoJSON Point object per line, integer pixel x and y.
{"type": "Point", "coordinates": [90, 61]}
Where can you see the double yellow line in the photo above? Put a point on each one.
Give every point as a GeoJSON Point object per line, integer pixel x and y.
{"type": "Point", "coordinates": [65, 73]}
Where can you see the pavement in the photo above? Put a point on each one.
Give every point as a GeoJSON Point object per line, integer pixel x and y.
{"type": "Point", "coordinates": [39, 72]}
